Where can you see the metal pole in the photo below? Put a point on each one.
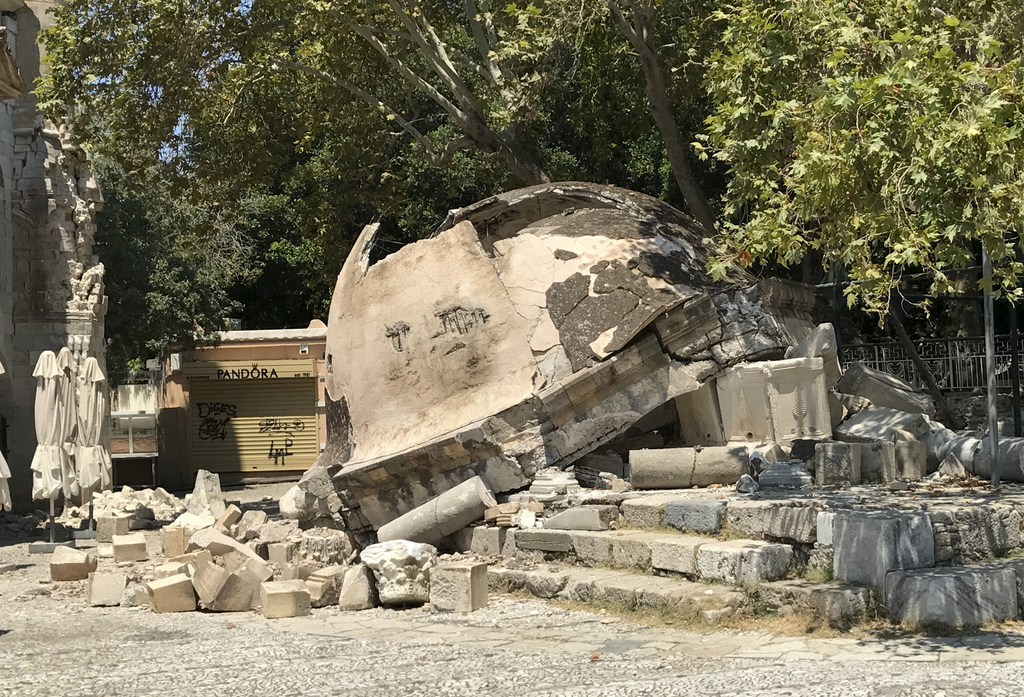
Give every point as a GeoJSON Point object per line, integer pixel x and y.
{"type": "Point", "coordinates": [1018, 430]}
{"type": "Point", "coordinates": [990, 367]}
{"type": "Point", "coordinates": [837, 300]}
{"type": "Point", "coordinates": [53, 523]}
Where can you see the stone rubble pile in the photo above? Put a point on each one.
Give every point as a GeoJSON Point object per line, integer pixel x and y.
{"type": "Point", "coordinates": [144, 507]}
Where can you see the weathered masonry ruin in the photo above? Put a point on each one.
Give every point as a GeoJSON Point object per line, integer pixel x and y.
{"type": "Point", "coordinates": [51, 283]}
{"type": "Point", "coordinates": [535, 328]}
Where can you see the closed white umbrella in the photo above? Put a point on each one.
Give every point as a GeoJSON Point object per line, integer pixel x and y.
{"type": "Point", "coordinates": [92, 454]}
{"type": "Point", "coordinates": [49, 456]}
{"type": "Point", "coordinates": [68, 423]}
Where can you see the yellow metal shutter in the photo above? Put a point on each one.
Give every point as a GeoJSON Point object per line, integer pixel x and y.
{"type": "Point", "coordinates": [253, 425]}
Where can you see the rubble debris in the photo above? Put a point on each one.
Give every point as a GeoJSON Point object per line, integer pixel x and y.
{"type": "Point", "coordinates": [106, 588]}
{"type": "Point", "coordinates": [135, 595]}
{"type": "Point", "coordinates": [250, 520]}
{"type": "Point", "coordinates": [883, 390]}
{"type": "Point", "coordinates": [171, 568]}
{"type": "Point", "coordinates": [171, 594]}
{"type": "Point", "coordinates": [127, 503]}
{"type": "Point", "coordinates": [229, 517]}
{"type": "Point", "coordinates": [325, 585]}
{"type": "Point", "coordinates": [878, 462]}
{"type": "Point", "coordinates": [218, 544]}
{"type": "Point", "coordinates": [458, 587]}
{"type": "Point", "coordinates": [504, 514]}
{"type": "Point", "coordinates": [68, 564]}
{"type": "Point", "coordinates": [206, 499]}
{"type": "Point", "coordinates": [402, 569]}
{"type": "Point", "coordinates": [881, 423]}
{"type": "Point", "coordinates": [682, 468]}
{"type": "Point", "coordinates": [220, 590]}
{"type": "Point", "coordinates": [746, 484]}
{"type": "Point", "coordinates": [951, 467]}
{"type": "Point", "coordinates": [131, 547]}
{"type": "Point", "coordinates": [442, 516]}
{"type": "Point", "coordinates": [358, 590]}
{"type": "Point", "coordinates": [584, 518]}
{"type": "Point", "coordinates": [552, 486]}
{"type": "Point", "coordinates": [109, 525]}
{"type": "Point", "coordinates": [284, 599]}
{"type": "Point", "coordinates": [581, 311]}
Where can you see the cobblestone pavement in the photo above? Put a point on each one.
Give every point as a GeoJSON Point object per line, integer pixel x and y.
{"type": "Point", "coordinates": [51, 643]}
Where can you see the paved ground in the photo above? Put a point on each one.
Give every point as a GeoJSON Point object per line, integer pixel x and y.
{"type": "Point", "coordinates": [51, 643]}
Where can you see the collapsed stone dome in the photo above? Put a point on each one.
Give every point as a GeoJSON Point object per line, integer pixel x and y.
{"type": "Point", "coordinates": [531, 328]}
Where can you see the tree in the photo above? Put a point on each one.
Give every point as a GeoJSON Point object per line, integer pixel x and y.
{"type": "Point", "coordinates": [886, 134]}
{"type": "Point", "coordinates": [635, 18]}
{"type": "Point", "coordinates": [150, 78]}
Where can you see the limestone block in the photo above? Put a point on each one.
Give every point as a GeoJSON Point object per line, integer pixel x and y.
{"type": "Point", "coordinates": [987, 531]}
{"type": "Point", "coordinates": [836, 464]}
{"type": "Point", "coordinates": [301, 570]}
{"type": "Point", "coordinates": [231, 515]}
{"type": "Point", "coordinates": [869, 544]}
{"type": "Point", "coordinates": [699, 416]}
{"type": "Point", "coordinates": [878, 462]}
{"type": "Point", "coordinates": [799, 524]}
{"type": "Point", "coordinates": [824, 524]}
{"type": "Point", "coordinates": [358, 589]}
{"type": "Point", "coordinates": [911, 460]}
{"type": "Point", "coordinates": [67, 564]}
{"type": "Point", "coordinates": [645, 511]}
{"type": "Point", "coordinates": [220, 590]}
{"type": "Point", "coordinates": [839, 605]}
{"type": "Point", "coordinates": [493, 542]}
{"type": "Point", "coordinates": [676, 553]}
{"type": "Point", "coordinates": [592, 548]}
{"type": "Point", "coordinates": [441, 516]}
{"type": "Point", "coordinates": [131, 547]}
{"type": "Point", "coordinates": [250, 520]}
{"type": "Point", "coordinates": [682, 468]}
{"type": "Point", "coordinates": [544, 540]}
{"type": "Point", "coordinates": [632, 550]}
{"type": "Point", "coordinates": [952, 467]}
{"type": "Point", "coordinates": [883, 390]}
{"type": "Point", "coordinates": [171, 568]}
{"type": "Point", "coordinates": [775, 401]}
{"type": "Point", "coordinates": [699, 515]}
{"type": "Point", "coordinates": [106, 588]}
{"type": "Point", "coordinates": [880, 423]}
{"type": "Point", "coordinates": [784, 475]}
{"type": "Point", "coordinates": [584, 518]}
{"type": "Point", "coordinates": [284, 599]}
{"type": "Point", "coordinates": [282, 553]}
{"type": "Point", "coordinates": [109, 525]}
{"type": "Point", "coordinates": [458, 587]}
{"type": "Point", "coordinates": [952, 596]}
{"type": "Point", "coordinates": [743, 561]}
{"type": "Point", "coordinates": [173, 539]}
{"type": "Point", "coordinates": [257, 569]}
{"type": "Point", "coordinates": [749, 517]}
{"type": "Point", "coordinates": [172, 594]}
{"type": "Point", "coordinates": [194, 558]}
{"type": "Point", "coordinates": [402, 569]}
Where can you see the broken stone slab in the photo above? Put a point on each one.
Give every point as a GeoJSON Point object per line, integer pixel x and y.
{"type": "Point", "coordinates": [682, 468]}
{"type": "Point", "coordinates": [131, 547]}
{"type": "Point", "coordinates": [544, 540]}
{"type": "Point", "coordinates": [67, 564]}
{"type": "Point", "coordinates": [106, 588]}
{"type": "Point", "coordinates": [878, 462]}
{"type": "Point", "coordinates": [284, 599]}
{"type": "Point", "coordinates": [218, 544]}
{"type": "Point", "coordinates": [699, 417]}
{"type": "Point", "coordinates": [837, 464]}
{"type": "Point", "coordinates": [171, 594]}
{"type": "Point", "coordinates": [171, 568]}
{"type": "Point", "coordinates": [458, 587]}
{"type": "Point", "coordinates": [250, 520]}
{"type": "Point", "coordinates": [325, 585]}
{"type": "Point", "coordinates": [743, 561]}
{"type": "Point", "coordinates": [697, 515]}
{"type": "Point", "coordinates": [206, 498]}
{"type": "Point", "coordinates": [109, 525]}
{"type": "Point", "coordinates": [358, 589]}
{"type": "Point", "coordinates": [443, 515]}
{"type": "Point", "coordinates": [784, 475]}
{"type": "Point", "coordinates": [676, 553]}
{"type": "Point", "coordinates": [952, 596]}
{"type": "Point", "coordinates": [839, 605]}
{"type": "Point", "coordinates": [402, 569]}
{"type": "Point", "coordinates": [869, 544]}
{"type": "Point", "coordinates": [193, 558]}
{"type": "Point", "coordinates": [821, 343]}
{"type": "Point", "coordinates": [220, 590]}
{"type": "Point", "coordinates": [746, 485]}
{"type": "Point", "coordinates": [952, 467]}
{"type": "Point", "coordinates": [796, 523]}
{"type": "Point", "coordinates": [584, 518]}
{"type": "Point", "coordinates": [135, 595]}
{"type": "Point", "coordinates": [883, 390]}
{"type": "Point", "coordinates": [282, 553]}
{"type": "Point", "coordinates": [911, 460]}
{"type": "Point", "coordinates": [880, 423]}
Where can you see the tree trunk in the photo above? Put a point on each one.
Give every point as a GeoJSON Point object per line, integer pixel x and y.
{"type": "Point", "coordinates": [678, 158]}
{"type": "Point", "coordinates": [522, 166]}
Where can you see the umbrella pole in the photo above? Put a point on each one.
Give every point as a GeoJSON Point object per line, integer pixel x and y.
{"type": "Point", "coordinates": [53, 524]}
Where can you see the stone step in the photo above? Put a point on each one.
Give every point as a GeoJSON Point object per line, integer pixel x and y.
{"type": "Point", "coordinates": [617, 587]}
{"type": "Point", "coordinates": [952, 596]}
{"type": "Point", "coordinates": [839, 604]}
